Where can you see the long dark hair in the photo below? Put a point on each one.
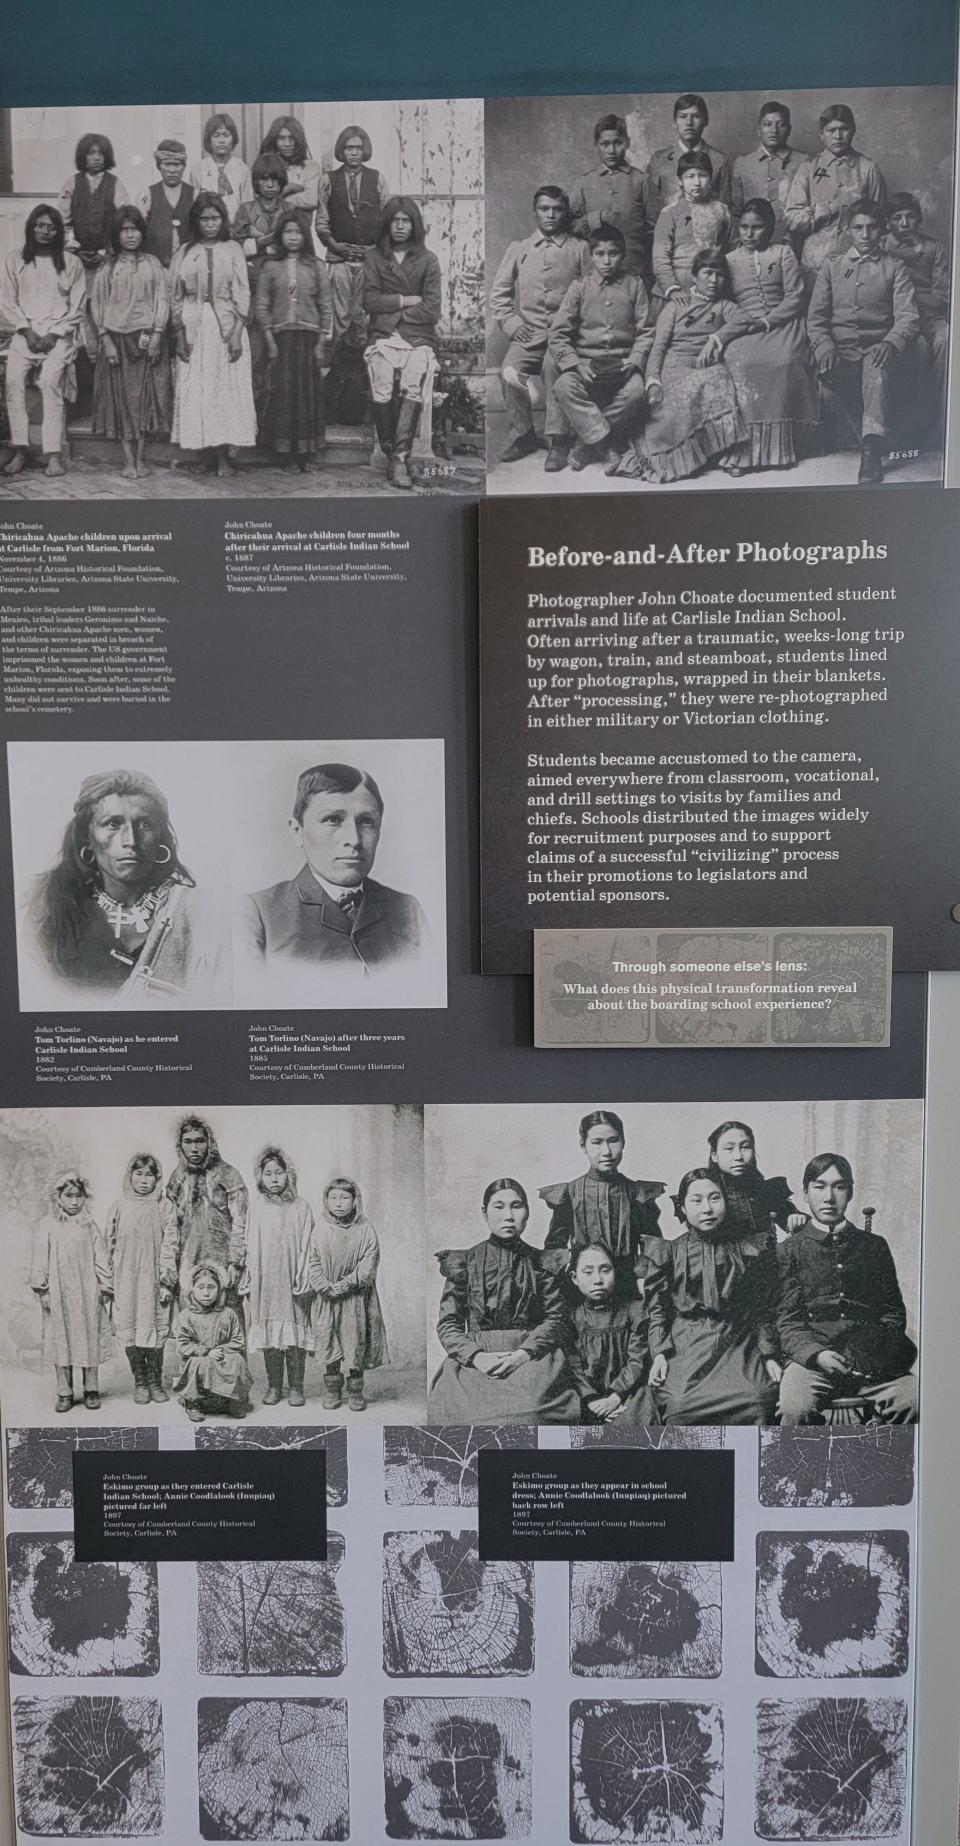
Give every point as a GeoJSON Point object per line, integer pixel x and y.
{"type": "Point", "coordinates": [126, 214]}
{"type": "Point", "coordinates": [401, 202]}
{"type": "Point", "coordinates": [292, 217]}
{"type": "Point", "coordinates": [219, 119]}
{"type": "Point", "coordinates": [202, 203]}
{"type": "Point", "coordinates": [268, 145]}
{"type": "Point", "coordinates": [62, 895]}
{"type": "Point", "coordinates": [85, 143]}
{"type": "Point", "coordinates": [31, 248]}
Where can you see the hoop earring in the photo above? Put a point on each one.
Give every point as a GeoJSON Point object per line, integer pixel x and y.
{"type": "Point", "coordinates": [88, 855]}
{"type": "Point", "coordinates": [166, 856]}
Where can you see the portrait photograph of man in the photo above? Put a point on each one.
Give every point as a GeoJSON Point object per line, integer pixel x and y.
{"type": "Point", "coordinates": [357, 919]}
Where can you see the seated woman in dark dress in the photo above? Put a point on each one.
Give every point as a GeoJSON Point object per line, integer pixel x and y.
{"type": "Point", "coordinates": [503, 1325]}
{"type": "Point", "coordinates": [710, 1294]}
{"type": "Point", "coordinates": [611, 1356]}
{"type": "Point", "coordinates": [119, 915]}
{"type": "Point", "coordinates": [753, 1202]}
{"type": "Point", "coordinates": [603, 1206]}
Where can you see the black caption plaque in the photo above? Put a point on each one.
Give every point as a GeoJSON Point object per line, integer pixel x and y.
{"type": "Point", "coordinates": [177, 1507]}
{"type": "Point", "coordinates": [627, 1506]}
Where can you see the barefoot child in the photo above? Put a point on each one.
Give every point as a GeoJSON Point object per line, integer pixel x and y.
{"type": "Point", "coordinates": [276, 1250]}
{"type": "Point", "coordinates": [70, 1275]}
{"type": "Point", "coordinates": [348, 1323]}
{"type": "Point", "coordinates": [215, 1378]}
{"type": "Point", "coordinates": [294, 312]}
{"type": "Point", "coordinates": [43, 298]}
{"type": "Point", "coordinates": [611, 1357]}
{"type": "Point", "coordinates": [143, 1245]}
{"type": "Point", "coordinates": [130, 309]}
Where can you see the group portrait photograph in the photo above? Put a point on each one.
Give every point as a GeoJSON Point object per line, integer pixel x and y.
{"type": "Point", "coordinates": [659, 1265]}
{"type": "Point", "coordinates": [718, 289]}
{"type": "Point", "coordinates": [244, 298]}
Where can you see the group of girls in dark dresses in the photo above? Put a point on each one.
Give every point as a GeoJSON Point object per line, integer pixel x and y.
{"type": "Point", "coordinates": [613, 1322]}
{"type": "Point", "coordinates": [204, 311]}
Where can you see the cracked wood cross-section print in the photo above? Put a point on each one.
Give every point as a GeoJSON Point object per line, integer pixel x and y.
{"type": "Point", "coordinates": [838, 1467]}
{"type": "Point", "coordinates": [646, 1436]}
{"type": "Point", "coordinates": [77, 1621]}
{"type": "Point", "coordinates": [448, 1613]}
{"type": "Point", "coordinates": [40, 1461]}
{"type": "Point", "coordinates": [457, 1769]}
{"type": "Point", "coordinates": [645, 1621]}
{"type": "Point", "coordinates": [646, 1770]}
{"type": "Point", "coordinates": [273, 1769]}
{"type": "Point", "coordinates": [833, 1605]}
{"type": "Point", "coordinates": [831, 1769]}
{"type": "Point", "coordinates": [438, 1466]}
{"type": "Point", "coordinates": [89, 1768]}
{"type": "Point", "coordinates": [280, 1618]}
{"type": "Point", "coordinates": [326, 1437]}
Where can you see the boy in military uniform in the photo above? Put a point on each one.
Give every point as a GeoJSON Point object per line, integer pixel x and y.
{"type": "Point", "coordinates": [766, 172]}
{"type": "Point", "coordinates": [929, 268]}
{"type": "Point", "coordinates": [527, 290]}
{"type": "Point", "coordinates": [840, 1316]}
{"type": "Point", "coordinates": [600, 342]}
{"type": "Point", "coordinates": [661, 184]}
{"type": "Point", "coordinates": [863, 319]}
{"type": "Point", "coordinates": [612, 193]}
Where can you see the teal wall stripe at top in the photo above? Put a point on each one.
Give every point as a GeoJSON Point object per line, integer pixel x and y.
{"type": "Point", "coordinates": [138, 51]}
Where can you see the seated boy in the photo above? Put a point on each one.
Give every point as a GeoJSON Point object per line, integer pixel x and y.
{"type": "Point", "coordinates": [840, 1316]}
{"type": "Point", "coordinates": [600, 342]}
{"type": "Point", "coordinates": [612, 193]}
{"type": "Point", "coordinates": [862, 320]}
{"type": "Point", "coordinates": [527, 291]}
{"type": "Point", "coordinates": [929, 269]}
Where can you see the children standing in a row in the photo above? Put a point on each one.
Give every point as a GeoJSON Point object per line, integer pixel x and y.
{"type": "Point", "coordinates": [307, 1286]}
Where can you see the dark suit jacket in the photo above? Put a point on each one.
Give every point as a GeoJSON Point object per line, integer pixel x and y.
{"type": "Point", "coordinates": [839, 1291]}
{"type": "Point", "coordinates": [299, 921]}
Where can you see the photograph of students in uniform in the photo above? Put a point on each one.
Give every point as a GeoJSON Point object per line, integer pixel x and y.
{"type": "Point", "coordinates": [741, 1300]}
{"type": "Point", "coordinates": [275, 1277]}
{"type": "Point", "coordinates": [388, 395]}
{"type": "Point", "coordinates": [742, 214]}
{"type": "Point", "coordinates": [356, 917]}
{"type": "Point", "coordinates": [120, 877]}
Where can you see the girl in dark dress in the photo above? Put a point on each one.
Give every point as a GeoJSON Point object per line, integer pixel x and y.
{"type": "Point", "coordinates": [294, 313]}
{"type": "Point", "coordinates": [612, 1355]}
{"type": "Point", "coordinates": [710, 1294]}
{"type": "Point", "coordinates": [503, 1325]}
{"type": "Point", "coordinates": [752, 1200]}
{"type": "Point", "coordinates": [603, 1206]}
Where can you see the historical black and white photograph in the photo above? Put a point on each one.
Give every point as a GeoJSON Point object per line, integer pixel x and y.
{"type": "Point", "coordinates": [450, 1614]}
{"type": "Point", "coordinates": [646, 1769]}
{"type": "Point", "coordinates": [713, 289]}
{"type": "Point", "coordinates": [273, 1769]}
{"type": "Point", "coordinates": [846, 1466]}
{"type": "Point", "coordinates": [79, 1621]}
{"type": "Point", "coordinates": [833, 1605]}
{"type": "Point", "coordinates": [438, 1467]}
{"type": "Point", "coordinates": [89, 1768]}
{"type": "Point", "coordinates": [265, 299]}
{"type": "Point", "coordinates": [831, 1769]}
{"type": "Point", "coordinates": [764, 1270]}
{"type": "Point", "coordinates": [184, 876]}
{"type": "Point", "coordinates": [458, 1768]}
{"type": "Point", "coordinates": [175, 1268]}
{"type": "Point", "coordinates": [338, 873]}
{"type": "Point", "coordinates": [328, 1440]}
{"type": "Point", "coordinates": [121, 876]}
{"type": "Point", "coordinates": [646, 1621]}
{"type": "Point", "coordinates": [278, 1619]}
